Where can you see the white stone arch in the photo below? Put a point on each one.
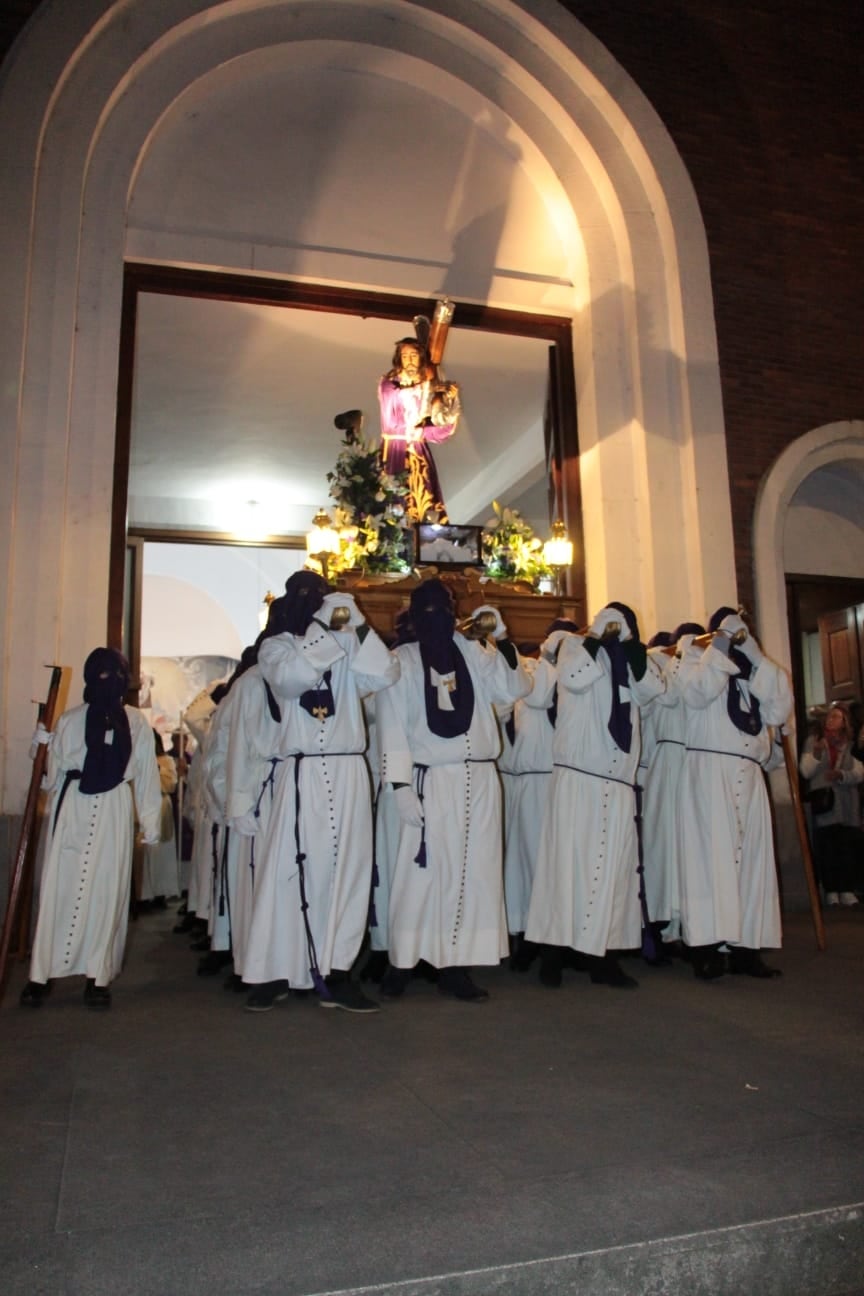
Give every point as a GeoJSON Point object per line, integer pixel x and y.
{"type": "Point", "coordinates": [833, 442]}
{"type": "Point", "coordinates": [71, 140]}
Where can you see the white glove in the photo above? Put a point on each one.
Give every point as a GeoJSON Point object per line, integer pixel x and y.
{"type": "Point", "coordinates": [41, 738]}
{"type": "Point", "coordinates": [152, 841]}
{"type": "Point", "coordinates": [339, 599]}
{"type": "Point", "coordinates": [409, 806]}
{"type": "Point", "coordinates": [551, 644]}
{"type": "Point", "coordinates": [731, 625]}
{"type": "Point", "coordinates": [246, 824]}
{"type": "Point", "coordinates": [500, 630]}
{"type": "Point", "coordinates": [609, 616]}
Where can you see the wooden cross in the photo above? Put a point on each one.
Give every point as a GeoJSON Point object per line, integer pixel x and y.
{"type": "Point", "coordinates": [320, 712]}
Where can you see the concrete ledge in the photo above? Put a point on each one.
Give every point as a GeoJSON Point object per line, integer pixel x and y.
{"type": "Point", "coordinates": [820, 1253]}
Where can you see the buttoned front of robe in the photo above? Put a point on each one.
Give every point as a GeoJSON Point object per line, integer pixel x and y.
{"type": "Point", "coordinates": [450, 912]}
{"type": "Point", "coordinates": [586, 885]}
{"type": "Point", "coordinates": [329, 779]}
{"type": "Point", "coordinates": [84, 892]}
{"type": "Point", "coordinates": [728, 877]}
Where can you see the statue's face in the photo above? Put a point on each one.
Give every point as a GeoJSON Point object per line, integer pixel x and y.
{"type": "Point", "coordinates": [409, 360]}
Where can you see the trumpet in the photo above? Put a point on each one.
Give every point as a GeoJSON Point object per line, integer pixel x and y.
{"type": "Point", "coordinates": [478, 627]}
{"type": "Point", "coordinates": [704, 640]}
{"type": "Point", "coordinates": [339, 617]}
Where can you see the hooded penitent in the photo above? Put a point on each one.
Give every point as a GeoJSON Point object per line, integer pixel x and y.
{"type": "Point", "coordinates": [106, 726]}
{"type": "Point", "coordinates": [620, 725]}
{"type": "Point", "coordinates": [685, 628]}
{"type": "Point", "coordinates": [743, 707]}
{"type": "Point", "coordinates": [560, 623]}
{"type": "Point", "coordinates": [304, 594]}
{"type": "Point", "coordinates": [434, 619]}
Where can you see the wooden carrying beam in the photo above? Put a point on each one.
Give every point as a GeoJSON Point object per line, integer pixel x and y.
{"type": "Point", "coordinates": [804, 839]}
{"type": "Point", "coordinates": [20, 883]}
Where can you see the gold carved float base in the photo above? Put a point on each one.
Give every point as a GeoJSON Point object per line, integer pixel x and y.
{"type": "Point", "coordinates": [526, 614]}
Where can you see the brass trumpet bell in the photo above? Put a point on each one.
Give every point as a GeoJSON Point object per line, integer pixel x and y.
{"type": "Point", "coordinates": [339, 617]}
{"type": "Point", "coordinates": [478, 627]}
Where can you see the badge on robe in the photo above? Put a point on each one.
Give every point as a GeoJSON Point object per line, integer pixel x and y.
{"type": "Point", "coordinates": [319, 701]}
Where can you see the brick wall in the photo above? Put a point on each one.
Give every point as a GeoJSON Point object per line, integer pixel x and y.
{"type": "Point", "coordinates": [763, 101]}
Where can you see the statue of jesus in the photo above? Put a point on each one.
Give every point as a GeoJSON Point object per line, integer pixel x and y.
{"type": "Point", "coordinates": [416, 408]}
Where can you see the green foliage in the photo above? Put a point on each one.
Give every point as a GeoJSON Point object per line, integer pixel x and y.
{"type": "Point", "coordinates": [370, 510]}
{"type": "Point", "coordinates": [511, 550]}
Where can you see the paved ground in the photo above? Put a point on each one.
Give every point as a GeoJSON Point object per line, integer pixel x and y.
{"type": "Point", "coordinates": [180, 1144]}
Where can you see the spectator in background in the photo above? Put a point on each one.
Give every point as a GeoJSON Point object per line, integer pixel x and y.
{"type": "Point", "coordinates": [834, 775]}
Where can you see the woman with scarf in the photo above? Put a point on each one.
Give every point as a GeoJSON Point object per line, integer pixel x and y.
{"type": "Point", "coordinates": [439, 742]}
{"type": "Point", "coordinates": [732, 695]}
{"type": "Point", "coordinates": [586, 883]}
{"type": "Point", "coordinates": [97, 751]}
{"type": "Point", "coordinates": [834, 776]}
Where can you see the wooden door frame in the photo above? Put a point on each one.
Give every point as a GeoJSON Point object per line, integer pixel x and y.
{"type": "Point", "coordinates": [848, 590]}
{"type": "Point", "coordinates": [260, 290]}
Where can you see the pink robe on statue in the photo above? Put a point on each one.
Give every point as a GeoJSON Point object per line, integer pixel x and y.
{"type": "Point", "coordinates": [401, 411]}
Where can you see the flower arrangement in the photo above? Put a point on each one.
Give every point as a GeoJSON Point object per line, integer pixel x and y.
{"type": "Point", "coordinates": [511, 549]}
{"type": "Point", "coordinates": [370, 510]}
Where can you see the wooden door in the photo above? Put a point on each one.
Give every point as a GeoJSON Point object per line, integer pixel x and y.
{"type": "Point", "coordinates": [841, 637]}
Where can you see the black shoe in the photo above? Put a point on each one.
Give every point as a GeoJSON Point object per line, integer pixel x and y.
{"type": "Point", "coordinates": [455, 983]}
{"type": "Point", "coordinates": [375, 966]}
{"type": "Point", "coordinates": [263, 997]}
{"type": "Point", "coordinates": [213, 963]}
{"type": "Point", "coordinates": [394, 981]}
{"type": "Point", "coordinates": [608, 971]}
{"type": "Point", "coordinates": [524, 955]}
{"type": "Point", "coordinates": [186, 923]}
{"type": "Point", "coordinates": [34, 994]}
{"type": "Point", "coordinates": [235, 983]}
{"type": "Point", "coordinates": [748, 962]}
{"type": "Point", "coordinates": [707, 962]}
{"type": "Point", "coordinates": [348, 996]}
{"type": "Point", "coordinates": [201, 944]}
{"type": "Point", "coordinates": [550, 968]}
{"type": "Point", "coordinates": [96, 996]}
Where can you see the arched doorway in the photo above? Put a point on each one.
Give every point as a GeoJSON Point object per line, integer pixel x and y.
{"type": "Point", "coordinates": [545, 183]}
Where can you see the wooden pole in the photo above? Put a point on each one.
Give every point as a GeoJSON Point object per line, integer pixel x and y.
{"type": "Point", "coordinates": [23, 853]}
{"type": "Point", "coordinates": [804, 839]}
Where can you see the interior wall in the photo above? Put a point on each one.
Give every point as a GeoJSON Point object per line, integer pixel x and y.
{"type": "Point", "coordinates": [202, 598]}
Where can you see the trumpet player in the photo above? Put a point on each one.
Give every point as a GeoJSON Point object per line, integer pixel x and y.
{"type": "Point", "coordinates": [525, 766]}
{"type": "Point", "coordinates": [663, 747]}
{"type": "Point", "coordinates": [732, 695]}
{"type": "Point", "coordinates": [586, 886]}
{"type": "Point", "coordinates": [313, 866]}
{"type": "Point", "coordinates": [439, 742]}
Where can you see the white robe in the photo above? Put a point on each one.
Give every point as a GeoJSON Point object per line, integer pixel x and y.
{"type": "Point", "coordinates": [525, 766]}
{"type": "Point", "coordinates": [728, 878]}
{"type": "Point", "coordinates": [450, 913]}
{"type": "Point", "coordinates": [159, 868]}
{"type": "Point", "coordinates": [335, 820]}
{"type": "Point", "coordinates": [256, 745]}
{"type": "Point", "coordinates": [387, 826]}
{"type": "Point", "coordinates": [663, 723]}
{"type": "Point", "coordinates": [223, 878]}
{"type": "Point", "coordinates": [84, 892]}
{"type": "Point", "coordinates": [586, 885]}
{"type": "Point", "coordinates": [196, 718]}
